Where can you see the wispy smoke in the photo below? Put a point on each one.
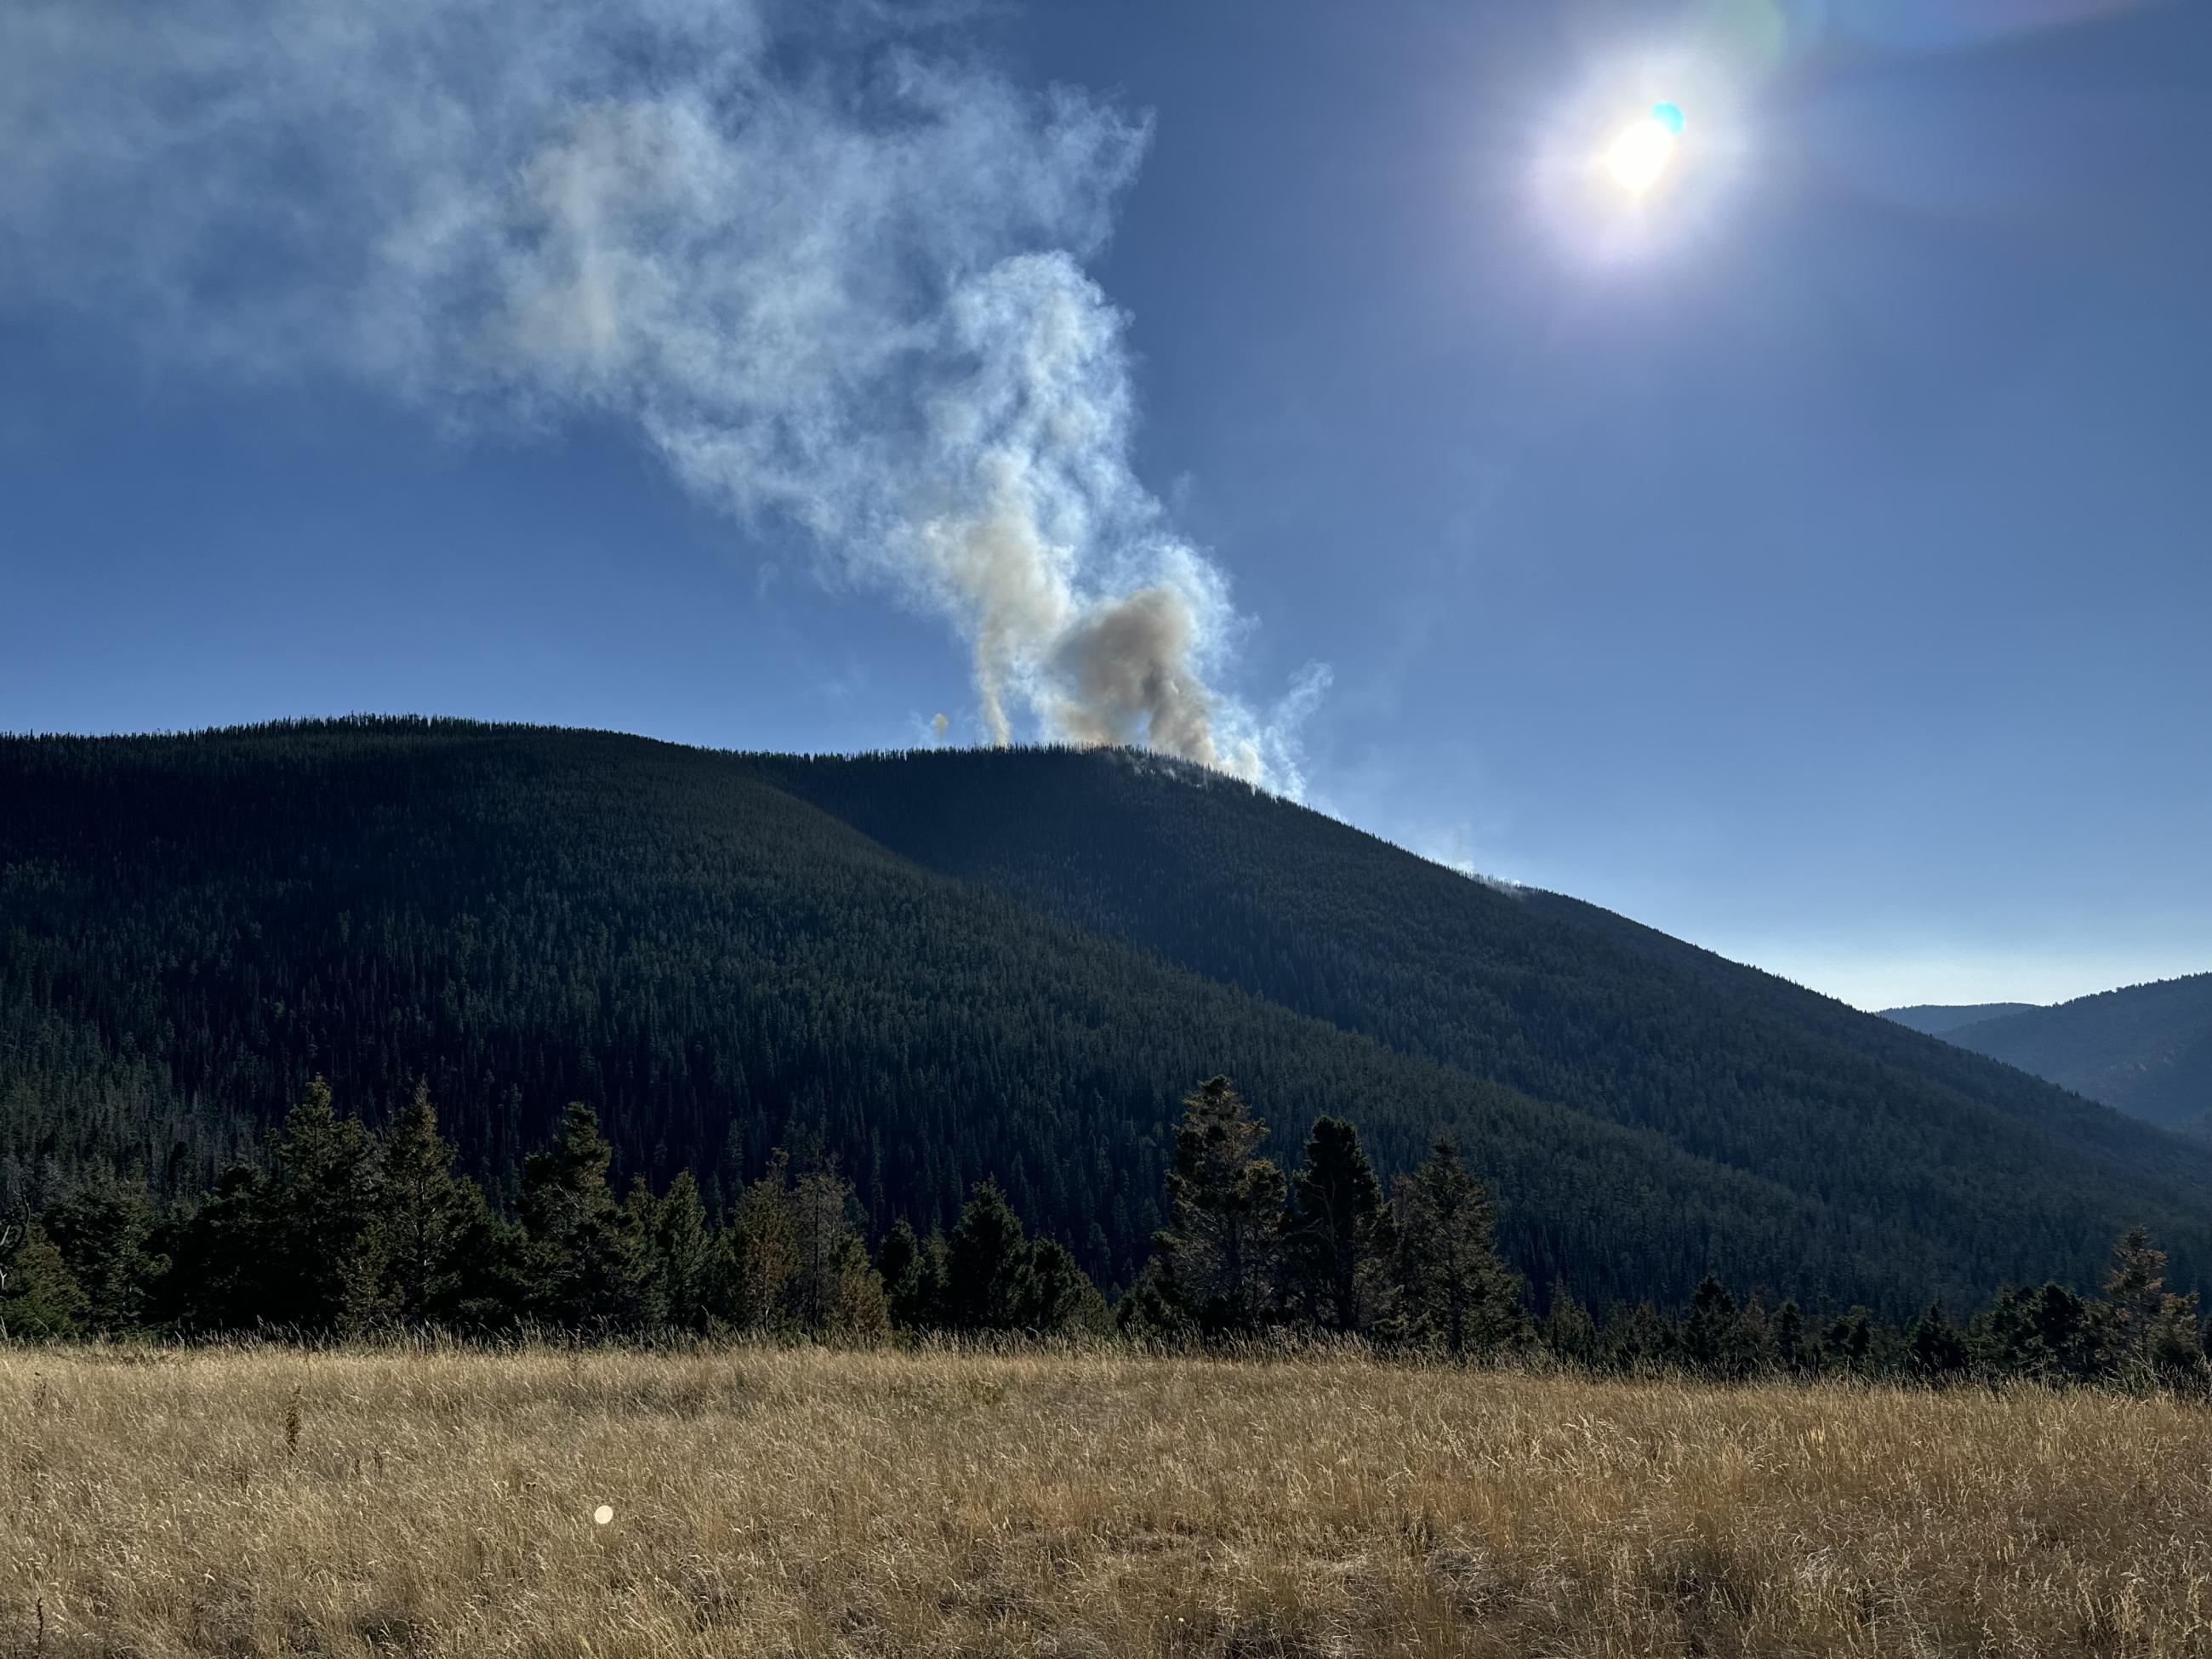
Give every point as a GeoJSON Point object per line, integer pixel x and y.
{"type": "Point", "coordinates": [831, 271]}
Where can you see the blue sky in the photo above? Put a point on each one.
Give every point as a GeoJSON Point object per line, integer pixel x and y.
{"type": "Point", "coordinates": [1810, 559]}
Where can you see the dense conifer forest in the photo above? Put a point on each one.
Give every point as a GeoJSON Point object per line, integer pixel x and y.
{"type": "Point", "coordinates": [913, 973]}
{"type": "Point", "coordinates": [346, 1233]}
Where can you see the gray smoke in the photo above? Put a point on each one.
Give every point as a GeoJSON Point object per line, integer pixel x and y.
{"type": "Point", "coordinates": [832, 272]}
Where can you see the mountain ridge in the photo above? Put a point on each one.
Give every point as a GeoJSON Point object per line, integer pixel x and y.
{"type": "Point", "coordinates": [2143, 1049]}
{"type": "Point", "coordinates": [1941, 1019]}
{"type": "Point", "coordinates": [920, 965]}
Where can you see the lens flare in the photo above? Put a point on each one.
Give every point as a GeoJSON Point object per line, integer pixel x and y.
{"type": "Point", "coordinates": [1640, 160]}
{"type": "Point", "coordinates": [1641, 153]}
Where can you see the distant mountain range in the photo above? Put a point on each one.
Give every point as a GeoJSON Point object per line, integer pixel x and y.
{"type": "Point", "coordinates": [1938, 1020]}
{"type": "Point", "coordinates": [2146, 1049]}
{"type": "Point", "coordinates": [935, 967]}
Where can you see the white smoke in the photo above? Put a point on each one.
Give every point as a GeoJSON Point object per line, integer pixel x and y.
{"type": "Point", "coordinates": [831, 271]}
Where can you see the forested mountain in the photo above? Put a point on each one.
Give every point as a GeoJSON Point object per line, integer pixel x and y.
{"type": "Point", "coordinates": [2146, 1049]}
{"type": "Point", "coordinates": [1941, 1019]}
{"type": "Point", "coordinates": [937, 967]}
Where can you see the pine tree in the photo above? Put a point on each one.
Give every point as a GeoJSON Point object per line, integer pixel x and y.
{"type": "Point", "coordinates": [756, 1255]}
{"type": "Point", "coordinates": [1637, 1341]}
{"type": "Point", "coordinates": [1748, 1349]}
{"type": "Point", "coordinates": [2154, 1337]}
{"type": "Point", "coordinates": [682, 1251]}
{"type": "Point", "coordinates": [1569, 1331]}
{"type": "Point", "coordinates": [640, 1218]}
{"type": "Point", "coordinates": [1221, 1255]}
{"type": "Point", "coordinates": [1709, 1326]}
{"type": "Point", "coordinates": [1847, 1345]}
{"type": "Point", "coordinates": [1791, 1353]}
{"type": "Point", "coordinates": [40, 1297]}
{"type": "Point", "coordinates": [859, 1310]}
{"type": "Point", "coordinates": [2175, 1352]}
{"type": "Point", "coordinates": [102, 1231]}
{"type": "Point", "coordinates": [1057, 1295]}
{"type": "Point", "coordinates": [220, 1256]}
{"type": "Point", "coordinates": [818, 1207]}
{"type": "Point", "coordinates": [1936, 1350]}
{"type": "Point", "coordinates": [2001, 1339]}
{"type": "Point", "coordinates": [1339, 1237]}
{"type": "Point", "coordinates": [2068, 1343]}
{"type": "Point", "coordinates": [586, 1260]}
{"type": "Point", "coordinates": [433, 1226]}
{"type": "Point", "coordinates": [986, 1264]}
{"type": "Point", "coordinates": [320, 1204]}
{"type": "Point", "coordinates": [1456, 1291]}
{"type": "Point", "coordinates": [913, 1277]}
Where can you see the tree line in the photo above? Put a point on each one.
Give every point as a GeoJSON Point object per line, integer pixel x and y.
{"type": "Point", "coordinates": [341, 1231]}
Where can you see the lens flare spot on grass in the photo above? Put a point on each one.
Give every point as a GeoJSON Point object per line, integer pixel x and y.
{"type": "Point", "coordinates": [603, 1515]}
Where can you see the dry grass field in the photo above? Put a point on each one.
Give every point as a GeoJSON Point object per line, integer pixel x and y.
{"type": "Point", "coordinates": [806, 1502]}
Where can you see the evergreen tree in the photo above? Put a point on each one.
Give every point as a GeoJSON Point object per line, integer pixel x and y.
{"type": "Point", "coordinates": [819, 1203]}
{"type": "Point", "coordinates": [2175, 1352]}
{"type": "Point", "coordinates": [858, 1311]}
{"type": "Point", "coordinates": [986, 1265]}
{"type": "Point", "coordinates": [682, 1252]}
{"type": "Point", "coordinates": [1637, 1341]}
{"type": "Point", "coordinates": [103, 1230]}
{"type": "Point", "coordinates": [1569, 1331]}
{"type": "Point", "coordinates": [1791, 1351]}
{"type": "Point", "coordinates": [1749, 1348]}
{"type": "Point", "coordinates": [586, 1262]}
{"type": "Point", "coordinates": [914, 1274]}
{"type": "Point", "coordinates": [40, 1297]}
{"type": "Point", "coordinates": [1339, 1239]}
{"type": "Point", "coordinates": [1848, 1346]}
{"type": "Point", "coordinates": [1057, 1295]}
{"type": "Point", "coordinates": [1936, 1350]}
{"type": "Point", "coordinates": [641, 1220]}
{"type": "Point", "coordinates": [756, 1255]}
{"type": "Point", "coordinates": [727, 1182]}
{"type": "Point", "coordinates": [219, 1257]}
{"type": "Point", "coordinates": [434, 1231]}
{"type": "Point", "coordinates": [1455, 1290]}
{"type": "Point", "coordinates": [320, 1206]}
{"type": "Point", "coordinates": [2151, 1333]}
{"type": "Point", "coordinates": [2069, 1342]}
{"type": "Point", "coordinates": [1709, 1329]}
{"type": "Point", "coordinates": [2001, 1339]}
{"type": "Point", "coordinates": [1221, 1255]}
{"type": "Point", "coordinates": [1152, 1312]}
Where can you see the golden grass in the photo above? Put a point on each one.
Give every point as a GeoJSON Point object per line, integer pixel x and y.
{"type": "Point", "coordinates": [805, 1502]}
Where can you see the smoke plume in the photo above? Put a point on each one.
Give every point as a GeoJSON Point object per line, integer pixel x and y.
{"type": "Point", "coordinates": [832, 271]}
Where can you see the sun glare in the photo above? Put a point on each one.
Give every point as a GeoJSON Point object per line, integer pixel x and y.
{"type": "Point", "coordinates": [1642, 153]}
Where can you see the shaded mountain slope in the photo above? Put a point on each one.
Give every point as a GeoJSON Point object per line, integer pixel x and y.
{"type": "Point", "coordinates": [944, 966]}
{"type": "Point", "coordinates": [1555, 998]}
{"type": "Point", "coordinates": [2146, 1049]}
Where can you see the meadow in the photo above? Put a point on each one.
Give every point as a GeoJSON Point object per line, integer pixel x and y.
{"type": "Point", "coordinates": [803, 1501]}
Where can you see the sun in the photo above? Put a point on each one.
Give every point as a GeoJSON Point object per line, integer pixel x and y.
{"type": "Point", "coordinates": [1639, 157]}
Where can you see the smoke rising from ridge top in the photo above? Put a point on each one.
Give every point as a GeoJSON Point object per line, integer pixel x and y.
{"type": "Point", "coordinates": [833, 274]}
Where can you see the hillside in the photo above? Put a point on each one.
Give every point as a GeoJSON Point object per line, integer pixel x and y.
{"type": "Point", "coordinates": [1941, 1019]}
{"type": "Point", "coordinates": [2146, 1049]}
{"type": "Point", "coordinates": [943, 965]}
